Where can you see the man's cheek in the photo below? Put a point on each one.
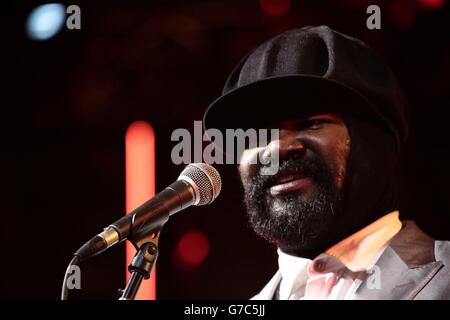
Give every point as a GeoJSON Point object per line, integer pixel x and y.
{"type": "Point", "coordinates": [244, 174]}
{"type": "Point", "coordinates": [339, 172]}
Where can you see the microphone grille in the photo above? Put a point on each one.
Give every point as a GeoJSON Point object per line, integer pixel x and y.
{"type": "Point", "coordinates": [205, 179]}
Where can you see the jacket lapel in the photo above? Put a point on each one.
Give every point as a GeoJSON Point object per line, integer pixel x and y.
{"type": "Point", "coordinates": [404, 269]}
{"type": "Point", "coordinates": [396, 281]}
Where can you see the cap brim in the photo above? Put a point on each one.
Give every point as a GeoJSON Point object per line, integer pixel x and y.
{"type": "Point", "coordinates": [269, 101]}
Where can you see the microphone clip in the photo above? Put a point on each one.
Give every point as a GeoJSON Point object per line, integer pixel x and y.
{"type": "Point", "coordinates": [142, 264]}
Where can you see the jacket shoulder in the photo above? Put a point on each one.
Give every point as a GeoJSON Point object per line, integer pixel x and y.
{"type": "Point", "coordinates": [439, 286]}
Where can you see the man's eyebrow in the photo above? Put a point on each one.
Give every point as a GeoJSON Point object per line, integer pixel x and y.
{"type": "Point", "coordinates": [297, 121]}
{"type": "Point", "coordinates": [327, 115]}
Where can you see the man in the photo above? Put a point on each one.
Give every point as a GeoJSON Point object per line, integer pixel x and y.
{"type": "Point", "coordinates": [332, 207]}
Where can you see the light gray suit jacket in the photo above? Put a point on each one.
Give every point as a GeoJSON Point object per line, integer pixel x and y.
{"type": "Point", "coordinates": [413, 267]}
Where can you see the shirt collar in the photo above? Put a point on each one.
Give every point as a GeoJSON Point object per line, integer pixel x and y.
{"type": "Point", "coordinates": [290, 266]}
{"type": "Point", "coordinates": [293, 270]}
{"type": "Point", "coordinates": [360, 251]}
{"type": "Point", "coordinates": [357, 253]}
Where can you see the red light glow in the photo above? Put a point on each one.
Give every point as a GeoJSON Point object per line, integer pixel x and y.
{"type": "Point", "coordinates": [140, 186]}
{"type": "Point", "coordinates": [275, 8]}
{"type": "Point", "coordinates": [192, 249]}
{"type": "Point", "coordinates": [432, 4]}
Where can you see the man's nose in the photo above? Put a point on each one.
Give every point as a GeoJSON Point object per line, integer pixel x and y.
{"type": "Point", "coordinates": [286, 148]}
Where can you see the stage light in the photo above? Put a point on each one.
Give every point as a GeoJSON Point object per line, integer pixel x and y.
{"type": "Point", "coordinates": [192, 249]}
{"type": "Point", "coordinates": [140, 186]}
{"type": "Point", "coordinates": [45, 21]}
{"type": "Point", "coordinates": [432, 4]}
{"type": "Point", "coordinates": [275, 8]}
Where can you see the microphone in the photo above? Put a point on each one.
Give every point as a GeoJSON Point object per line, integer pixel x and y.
{"type": "Point", "coordinates": [198, 184]}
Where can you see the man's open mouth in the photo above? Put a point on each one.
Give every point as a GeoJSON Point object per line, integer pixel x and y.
{"type": "Point", "coordinates": [289, 182]}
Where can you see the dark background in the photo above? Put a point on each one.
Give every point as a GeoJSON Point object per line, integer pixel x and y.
{"type": "Point", "coordinates": [66, 104]}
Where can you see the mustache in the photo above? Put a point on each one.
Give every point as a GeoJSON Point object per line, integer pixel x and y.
{"type": "Point", "coordinates": [311, 167]}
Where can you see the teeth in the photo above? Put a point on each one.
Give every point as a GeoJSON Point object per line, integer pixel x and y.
{"type": "Point", "coordinates": [286, 179]}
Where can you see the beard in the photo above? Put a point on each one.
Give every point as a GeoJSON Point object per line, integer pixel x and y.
{"type": "Point", "coordinates": [292, 221]}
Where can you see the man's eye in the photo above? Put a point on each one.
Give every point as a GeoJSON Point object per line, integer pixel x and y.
{"type": "Point", "coordinates": [314, 124]}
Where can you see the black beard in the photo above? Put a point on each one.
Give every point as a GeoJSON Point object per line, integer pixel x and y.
{"type": "Point", "coordinates": [294, 224]}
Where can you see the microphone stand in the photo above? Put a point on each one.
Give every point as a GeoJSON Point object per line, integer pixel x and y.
{"type": "Point", "coordinates": [142, 264]}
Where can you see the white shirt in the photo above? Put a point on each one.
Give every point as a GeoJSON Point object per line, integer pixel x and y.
{"type": "Point", "coordinates": [337, 273]}
{"type": "Point", "coordinates": [333, 282]}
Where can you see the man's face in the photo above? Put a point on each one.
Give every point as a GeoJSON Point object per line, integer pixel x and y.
{"type": "Point", "coordinates": [295, 207]}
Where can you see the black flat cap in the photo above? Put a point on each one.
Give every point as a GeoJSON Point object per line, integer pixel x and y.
{"type": "Point", "coordinates": [305, 71]}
